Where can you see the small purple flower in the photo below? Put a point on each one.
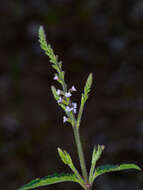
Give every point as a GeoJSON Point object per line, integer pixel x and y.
{"type": "Point", "coordinates": [68, 109]}
{"type": "Point", "coordinates": [73, 88]}
{"type": "Point", "coordinates": [74, 110]}
{"type": "Point", "coordinates": [60, 100]}
{"type": "Point", "coordinates": [65, 119]}
{"type": "Point", "coordinates": [58, 92]}
{"type": "Point", "coordinates": [74, 105]}
{"type": "Point", "coordinates": [68, 94]}
{"type": "Point", "coordinates": [55, 77]}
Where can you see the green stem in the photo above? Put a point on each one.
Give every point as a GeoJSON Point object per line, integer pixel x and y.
{"type": "Point", "coordinates": [91, 173]}
{"type": "Point", "coordinates": [80, 114]}
{"type": "Point", "coordinates": [80, 153]}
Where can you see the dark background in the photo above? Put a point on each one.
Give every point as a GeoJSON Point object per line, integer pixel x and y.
{"type": "Point", "coordinates": [99, 36]}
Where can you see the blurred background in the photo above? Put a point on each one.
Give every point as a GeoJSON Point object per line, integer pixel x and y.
{"type": "Point", "coordinates": [98, 36]}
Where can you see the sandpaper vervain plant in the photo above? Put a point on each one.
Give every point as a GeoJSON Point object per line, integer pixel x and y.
{"type": "Point", "coordinates": [73, 116]}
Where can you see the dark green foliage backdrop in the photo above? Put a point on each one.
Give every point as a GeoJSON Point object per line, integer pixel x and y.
{"type": "Point", "coordinates": [102, 37]}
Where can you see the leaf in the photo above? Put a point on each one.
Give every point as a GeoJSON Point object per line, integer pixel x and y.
{"type": "Point", "coordinates": [87, 87]}
{"type": "Point", "coordinates": [97, 153]}
{"type": "Point", "coordinates": [66, 158]}
{"type": "Point", "coordinates": [95, 157]}
{"type": "Point", "coordinates": [110, 168]}
{"type": "Point", "coordinates": [84, 98]}
{"type": "Point", "coordinates": [48, 180]}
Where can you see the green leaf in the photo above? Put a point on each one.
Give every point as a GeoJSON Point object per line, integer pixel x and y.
{"type": "Point", "coordinates": [84, 98]}
{"type": "Point", "coordinates": [87, 87]}
{"type": "Point", "coordinates": [50, 179]}
{"type": "Point", "coordinates": [110, 168]}
{"type": "Point", "coordinates": [66, 158]}
{"type": "Point", "coordinates": [97, 153]}
{"type": "Point", "coordinates": [95, 157]}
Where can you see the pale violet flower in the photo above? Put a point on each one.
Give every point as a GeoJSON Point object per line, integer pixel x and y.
{"type": "Point", "coordinates": [60, 100]}
{"type": "Point", "coordinates": [55, 77]}
{"type": "Point", "coordinates": [68, 109]}
{"type": "Point", "coordinates": [65, 119]}
{"type": "Point", "coordinates": [68, 94]}
{"type": "Point", "coordinates": [74, 105]}
{"type": "Point", "coordinates": [73, 88]}
{"type": "Point", "coordinates": [58, 92]}
{"type": "Point", "coordinates": [74, 110]}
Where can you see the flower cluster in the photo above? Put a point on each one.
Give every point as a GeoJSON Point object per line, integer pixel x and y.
{"type": "Point", "coordinates": [63, 99]}
{"type": "Point", "coordinates": [71, 108]}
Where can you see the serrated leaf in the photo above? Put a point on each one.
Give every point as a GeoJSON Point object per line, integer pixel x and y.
{"type": "Point", "coordinates": [97, 153]}
{"type": "Point", "coordinates": [66, 158]}
{"type": "Point", "coordinates": [129, 166]}
{"type": "Point", "coordinates": [110, 168]}
{"type": "Point", "coordinates": [50, 179]}
{"type": "Point", "coordinates": [84, 98]}
{"type": "Point", "coordinates": [87, 87]}
{"type": "Point", "coordinates": [95, 157]}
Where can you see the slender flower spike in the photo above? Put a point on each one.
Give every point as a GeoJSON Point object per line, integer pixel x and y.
{"type": "Point", "coordinates": [65, 119]}
{"type": "Point", "coordinates": [55, 77]}
{"type": "Point", "coordinates": [68, 109]}
{"type": "Point", "coordinates": [68, 94]}
{"type": "Point", "coordinates": [58, 92]}
{"type": "Point", "coordinates": [73, 89]}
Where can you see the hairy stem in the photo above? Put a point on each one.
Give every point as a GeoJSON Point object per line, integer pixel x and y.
{"type": "Point", "coordinates": [80, 154]}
